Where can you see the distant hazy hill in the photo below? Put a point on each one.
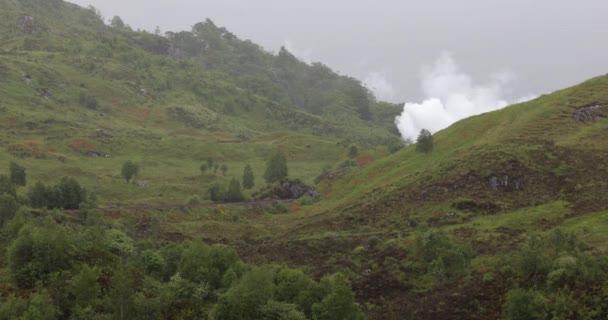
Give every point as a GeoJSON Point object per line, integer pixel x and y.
{"type": "Point", "coordinates": [74, 88]}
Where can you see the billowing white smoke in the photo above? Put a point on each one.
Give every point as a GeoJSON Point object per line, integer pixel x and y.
{"type": "Point", "coordinates": [451, 95]}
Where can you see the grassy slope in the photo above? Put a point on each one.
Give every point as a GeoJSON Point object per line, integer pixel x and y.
{"type": "Point", "coordinates": [71, 59]}
{"type": "Point", "coordinates": [558, 164]}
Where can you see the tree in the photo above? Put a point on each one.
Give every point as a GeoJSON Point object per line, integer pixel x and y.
{"type": "Point", "coordinates": [210, 163]}
{"type": "Point", "coordinates": [203, 168]}
{"type": "Point", "coordinates": [245, 299]}
{"type": "Point", "coordinates": [248, 178]}
{"type": "Point", "coordinates": [7, 187]}
{"type": "Point", "coordinates": [424, 143]}
{"type": "Point", "coordinates": [353, 151]}
{"type": "Point", "coordinates": [216, 192]}
{"type": "Point", "coordinates": [38, 195]}
{"type": "Point", "coordinates": [117, 23]}
{"type": "Point", "coordinates": [339, 304]}
{"type": "Point", "coordinates": [70, 193]}
{"type": "Point", "coordinates": [276, 168]}
{"type": "Point", "coordinates": [17, 174]}
{"type": "Point", "coordinates": [8, 208]}
{"type": "Point", "coordinates": [224, 169]}
{"type": "Point", "coordinates": [129, 170]}
{"type": "Point", "coordinates": [234, 193]}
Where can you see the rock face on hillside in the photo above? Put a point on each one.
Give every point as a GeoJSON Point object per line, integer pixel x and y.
{"type": "Point", "coordinates": [589, 113]}
{"type": "Point", "coordinates": [287, 190]}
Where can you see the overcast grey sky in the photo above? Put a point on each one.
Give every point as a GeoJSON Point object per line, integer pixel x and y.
{"type": "Point", "coordinates": [544, 44]}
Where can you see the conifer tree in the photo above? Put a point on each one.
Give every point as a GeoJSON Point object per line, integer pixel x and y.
{"type": "Point", "coordinates": [424, 143]}
{"type": "Point", "coordinates": [248, 178]}
{"type": "Point", "coordinates": [276, 168]}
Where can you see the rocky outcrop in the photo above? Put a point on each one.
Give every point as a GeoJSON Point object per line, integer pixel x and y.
{"type": "Point", "coordinates": [287, 190]}
{"type": "Point", "coordinates": [588, 113]}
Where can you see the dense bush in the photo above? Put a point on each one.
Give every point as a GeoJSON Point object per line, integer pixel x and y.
{"type": "Point", "coordinates": [67, 194]}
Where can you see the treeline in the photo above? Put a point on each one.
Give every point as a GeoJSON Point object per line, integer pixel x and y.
{"type": "Point", "coordinates": [82, 266]}
{"type": "Point", "coordinates": [93, 270]}
{"type": "Point", "coordinates": [282, 78]}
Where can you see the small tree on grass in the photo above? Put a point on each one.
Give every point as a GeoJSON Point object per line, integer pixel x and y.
{"type": "Point", "coordinates": [276, 168]}
{"type": "Point", "coordinates": [210, 163]}
{"type": "Point", "coordinates": [353, 151]}
{"type": "Point", "coordinates": [129, 170]}
{"type": "Point", "coordinates": [248, 178]}
{"type": "Point", "coordinates": [424, 143]}
{"type": "Point", "coordinates": [216, 192]}
{"type": "Point", "coordinates": [8, 208]}
{"type": "Point", "coordinates": [234, 193]}
{"type": "Point", "coordinates": [224, 169]}
{"type": "Point", "coordinates": [203, 168]}
{"type": "Point", "coordinates": [17, 175]}
{"type": "Point", "coordinates": [6, 186]}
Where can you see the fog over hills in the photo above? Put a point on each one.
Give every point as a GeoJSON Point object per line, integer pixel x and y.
{"type": "Point", "coordinates": [545, 44]}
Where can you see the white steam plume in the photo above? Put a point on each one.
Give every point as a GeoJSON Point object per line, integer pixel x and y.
{"type": "Point", "coordinates": [451, 95]}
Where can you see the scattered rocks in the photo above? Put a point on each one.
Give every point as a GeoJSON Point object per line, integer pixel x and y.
{"type": "Point", "coordinates": [504, 183]}
{"type": "Point", "coordinates": [288, 189]}
{"type": "Point", "coordinates": [27, 24]}
{"type": "Point", "coordinates": [588, 113]}
{"type": "Point", "coordinates": [93, 154]}
{"type": "Point", "coordinates": [102, 133]}
{"type": "Point", "coordinates": [142, 184]}
{"type": "Point", "coordinates": [45, 92]}
{"type": "Point", "coordinates": [27, 79]}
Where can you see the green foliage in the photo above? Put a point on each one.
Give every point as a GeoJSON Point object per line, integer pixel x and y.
{"type": "Point", "coordinates": [153, 262]}
{"type": "Point", "coordinates": [441, 256]}
{"type": "Point", "coordinates": [353, 151]}
{"type": "Point", "coordinates": [216, 192]}
{"type": "Point", "coordinates": [37, 252]}
{"type": "Point", "coordinates": [339, 302]}
{"type": "Point", "coordinates": [67, 194]}
{"type": "Point", "coordinates": [234, 193]}
{"type": "Point", "coordinates": [525, 305]}
{"type": "Point", "coordinates": [7, 187]}
{"type": "Point", "coordinates": [117, 22]}
{"type": "Point", "coordinates": [395, 145]}
{"type": "Point", "coordinates": [276, 168]}
{"type": "Point", "coordinates": [248, 178]}
{"type": "Point", "coordinates": [119, 242]}
{"type": "Point", "coordinates": [129, 170]}
{"type": "Point", "coordinates": [85, 286]}
{"type": "Point", "coordinates": [89, 102]}
{"type": "Point", "coordinates": [201, 263]}
{"type": "Point", "coordinates": [274, 310]}
{"type": "Point", "coordinates": [17, 174]}
{"type": "Point", "coordinates": [424, 142]}
{"type": "Point", "coordinates": [224, 169]}
{"type": "Point", "coordinates": [8, 208]}
{"type": "Point", "coordinates": [203, 168]}
{"type": "Point", "coordinates": [245, 299]}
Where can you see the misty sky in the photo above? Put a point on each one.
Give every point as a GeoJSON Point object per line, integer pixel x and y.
{"type": "Point", "coordinates": [542, 44]}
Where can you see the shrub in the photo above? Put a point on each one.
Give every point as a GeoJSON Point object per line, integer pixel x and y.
{"type": "Point", "coordinates": [424, 142]}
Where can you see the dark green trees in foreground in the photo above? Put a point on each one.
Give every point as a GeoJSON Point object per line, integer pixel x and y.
{"type": "Point", "coordinates": [276, 168]}
{"type": "Point", "coordinates": [424, 142]}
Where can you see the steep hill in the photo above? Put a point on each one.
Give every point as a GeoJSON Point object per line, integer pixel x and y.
{"type": "Point", "coordinates": [75, 90]}
{"type": "Point", "coordinates": [508, 185]}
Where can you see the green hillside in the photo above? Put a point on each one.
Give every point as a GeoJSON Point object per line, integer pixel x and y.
{"type": "Point", "coordinates": [506, 218]}
{"type": "Point", "coordinates": [75, 91]}
{"type": "Point", "coordinates": [498, 184]}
